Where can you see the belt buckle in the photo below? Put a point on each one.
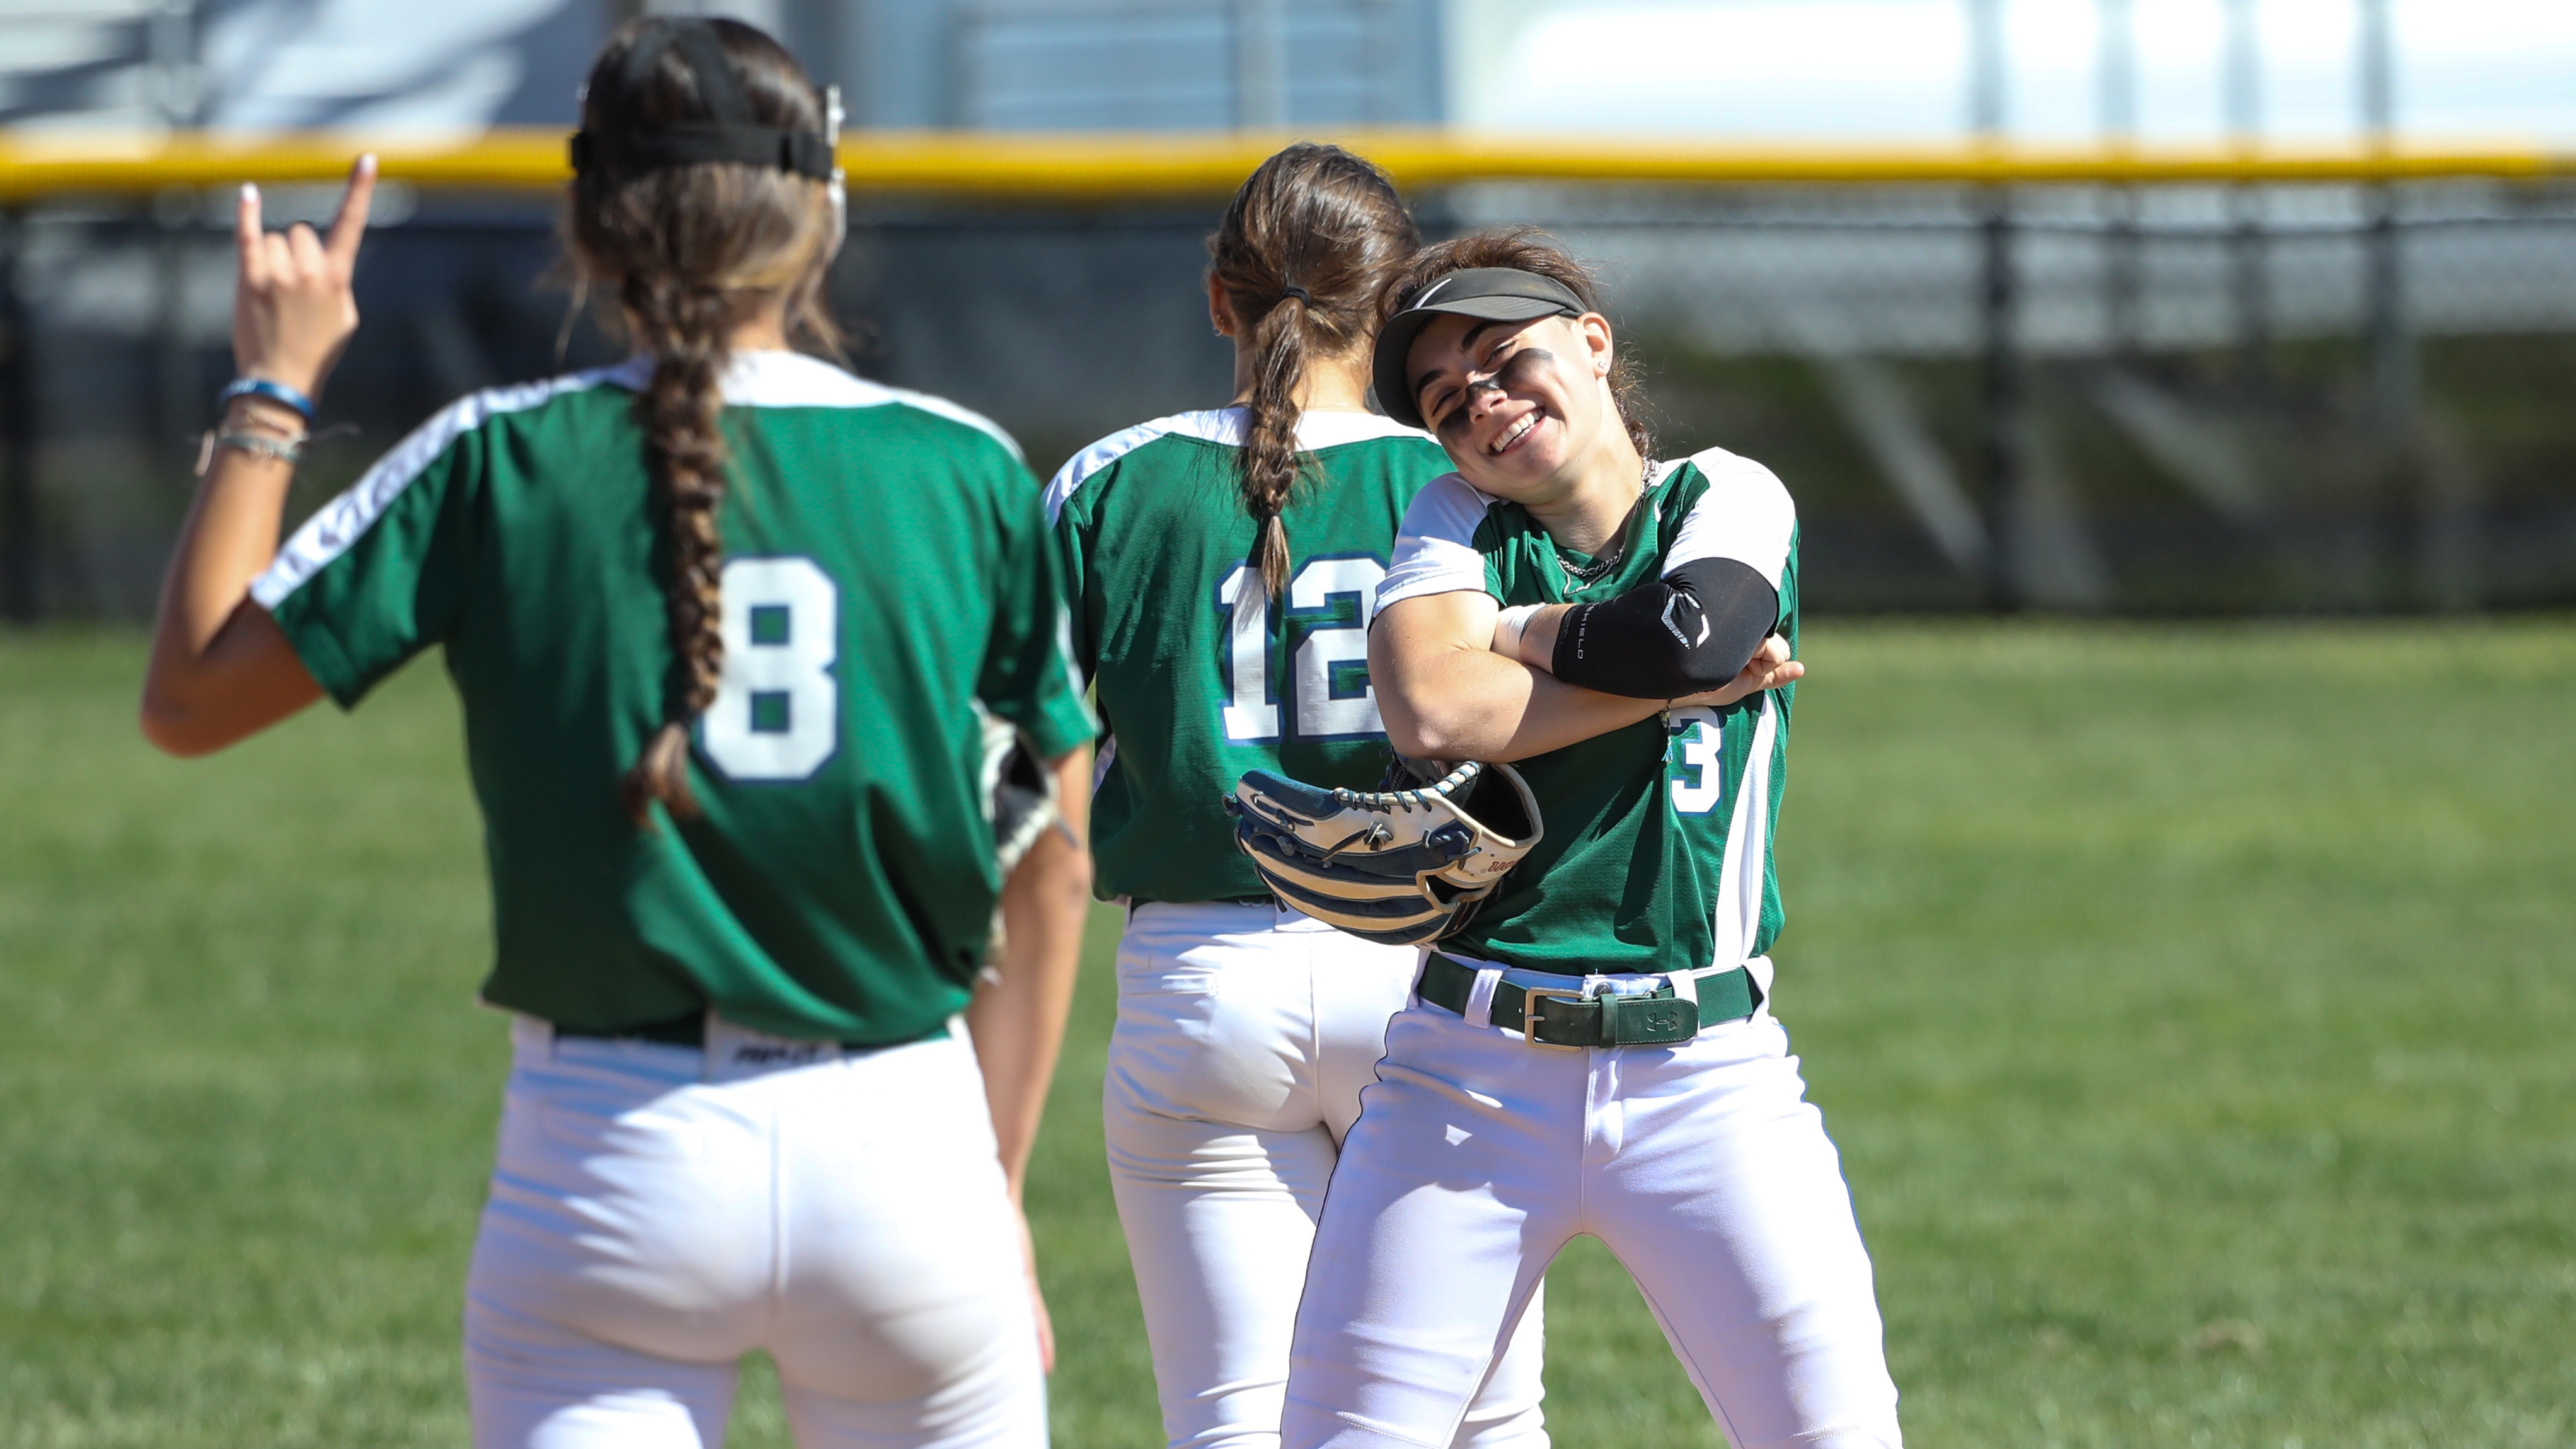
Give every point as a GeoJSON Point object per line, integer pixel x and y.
{"type": "Point", "coordinates": [1530, 1014]}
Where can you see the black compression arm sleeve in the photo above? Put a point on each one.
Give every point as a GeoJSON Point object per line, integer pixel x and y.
{"type": "Point", "coordinates": [1691, 630]}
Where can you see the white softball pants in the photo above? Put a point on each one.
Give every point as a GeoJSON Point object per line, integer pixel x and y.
{"type": "Point", "coordinates": [657, 1212]}
{"type": "Point", "coordinates": [1701, 1165]}
{"type": "Point", "coordinates": [1245, 1035]}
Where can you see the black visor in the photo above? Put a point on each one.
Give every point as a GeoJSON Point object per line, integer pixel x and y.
{"type": "Point", "coordinates": [1488, 294]}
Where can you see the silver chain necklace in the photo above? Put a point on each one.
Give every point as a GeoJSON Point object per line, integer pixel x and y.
{"type": "Point", "coordinates": [1593, 571]}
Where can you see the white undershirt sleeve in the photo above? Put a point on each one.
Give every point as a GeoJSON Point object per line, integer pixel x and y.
{"type": "Point", "coordinates": [1435, 546]}
{"type": "Point", "coordinates": [1745, 515]}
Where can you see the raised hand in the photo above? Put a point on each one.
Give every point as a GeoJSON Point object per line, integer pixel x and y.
{"type": "Point", "coordinates": [293, 310]}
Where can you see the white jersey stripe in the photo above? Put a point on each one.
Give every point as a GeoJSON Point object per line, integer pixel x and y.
{"type": "Point", "coordinates": [753, 379]}
{"type": "Point", "coordinates": [1077, 469]}
{"type": "Point", "coordinates": [1315, 430]}
{"type": "Point", "coordinates": [1746, 515]}
{"type": "Point", "coordinates": [1435, 546]}
{"type": "Point", "coordinates": [1738, 921]}
{"type": "Point", "coordinates": [342, 521]}
{"type": "Point", "coordinates": [793, 380]}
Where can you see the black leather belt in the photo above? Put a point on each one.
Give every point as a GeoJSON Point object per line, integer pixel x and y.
{"type": "Point", "coordinates": [686, 1031]}
{"type": "Point", "coordinates": [1565, 1016]}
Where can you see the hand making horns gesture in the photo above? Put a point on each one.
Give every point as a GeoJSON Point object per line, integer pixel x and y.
{"type": "Point", "coordinates": [293, 310]}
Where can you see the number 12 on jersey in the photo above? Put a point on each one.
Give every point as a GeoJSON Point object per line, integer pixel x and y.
{"type": "Point", "coordinates": [1250, 712]}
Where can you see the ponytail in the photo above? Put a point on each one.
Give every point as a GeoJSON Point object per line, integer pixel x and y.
{"type": "Point", "coordinates": [680, 411]}
{"type": "Point", "coordinates": [1300, 256]}
{"type": "Point", "coordinates": [1270, 463]}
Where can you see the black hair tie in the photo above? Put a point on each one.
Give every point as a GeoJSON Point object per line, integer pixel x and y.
{"type": "Point", "coordinates": [1298, 292]}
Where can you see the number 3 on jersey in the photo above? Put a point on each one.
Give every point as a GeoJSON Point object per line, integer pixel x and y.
{"type": "Point", "coordinates": [1696, 763]}
{"type": "Point", "coordinates": [777, 714]}
{"type": "Point", "coordinates": [1331, 648]}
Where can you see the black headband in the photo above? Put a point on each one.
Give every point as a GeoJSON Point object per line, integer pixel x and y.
{"type": "Point", "coordinates": [730, 135]}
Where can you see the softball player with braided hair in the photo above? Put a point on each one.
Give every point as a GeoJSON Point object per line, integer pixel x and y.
{"type": "Point", "coordinates": [1221, 568]}
{"type": "Point", "coordinates": [727, 624]}
{"type": "Point", "coordinates": [1591, 1050]}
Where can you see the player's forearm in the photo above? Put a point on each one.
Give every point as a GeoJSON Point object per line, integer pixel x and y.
{"type": "Point", "coordinates": [229, 536]}
{"type": "Point", "coordinates": [1460, 703]}
{"type": "Point", "coordinates": [1691, 630]}
{"type": "Point", "coordinates": [1017, 1023]}
{"type": "Point", "coordinates": [220, 668]}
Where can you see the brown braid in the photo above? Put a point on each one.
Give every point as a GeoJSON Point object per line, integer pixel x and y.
{"type": "Point", "coordinates": [680, 409]}
{"type": "Point", "coordinates": [1301, 255]}
{"type": "Point", "coordinates": [691, 253]}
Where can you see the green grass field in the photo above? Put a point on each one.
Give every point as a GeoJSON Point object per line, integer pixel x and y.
{"type": "Point", "coordinates": [2192, 1005]}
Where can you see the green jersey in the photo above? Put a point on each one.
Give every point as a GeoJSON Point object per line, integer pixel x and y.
{"type": "Point", "coordinates": [1202, 675]}
{"type": "Point", "coordinates": [886, 580]}
{"type": "Point", "coordinates": [1656, 853]}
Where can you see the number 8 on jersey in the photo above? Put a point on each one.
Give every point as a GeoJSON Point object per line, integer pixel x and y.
{"type": "Point", "coordinates": [777, 714]}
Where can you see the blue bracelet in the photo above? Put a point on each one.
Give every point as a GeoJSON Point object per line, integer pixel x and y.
{"type": "Point", "coordinates": [276, 392]}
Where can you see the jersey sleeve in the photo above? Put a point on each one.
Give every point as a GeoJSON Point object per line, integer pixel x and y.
{"type": "Point", "coordinates": [1029, 675]}
{"type": "Point", "coordinates": [379, 573]}
{"type": "Point", "coordinates": [1435, 546]}
{"type": "Point", "coordinates": [1069, 539]}
{"type": "Point", "coordinates": [1746, 515]}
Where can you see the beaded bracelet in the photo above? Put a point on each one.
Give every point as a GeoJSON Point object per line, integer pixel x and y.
{"type": "Point", "coordinates": [259, 445]}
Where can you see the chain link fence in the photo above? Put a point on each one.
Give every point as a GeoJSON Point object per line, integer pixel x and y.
{"type": "Point", "coordinates": [2155, 400]}
{"type": "Point", "coordinates": [2174, 400]}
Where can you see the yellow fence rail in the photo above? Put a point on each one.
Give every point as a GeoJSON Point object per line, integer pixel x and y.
{"type": "Point", "coordinates": [1098, 167]}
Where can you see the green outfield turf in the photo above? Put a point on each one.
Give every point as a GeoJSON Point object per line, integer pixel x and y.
{"type": "Point", "coordinates": [2193, 1007]}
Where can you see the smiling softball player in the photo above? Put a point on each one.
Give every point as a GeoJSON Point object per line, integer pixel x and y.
{"type": "Point", "coordinates": [1591, 1049]}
